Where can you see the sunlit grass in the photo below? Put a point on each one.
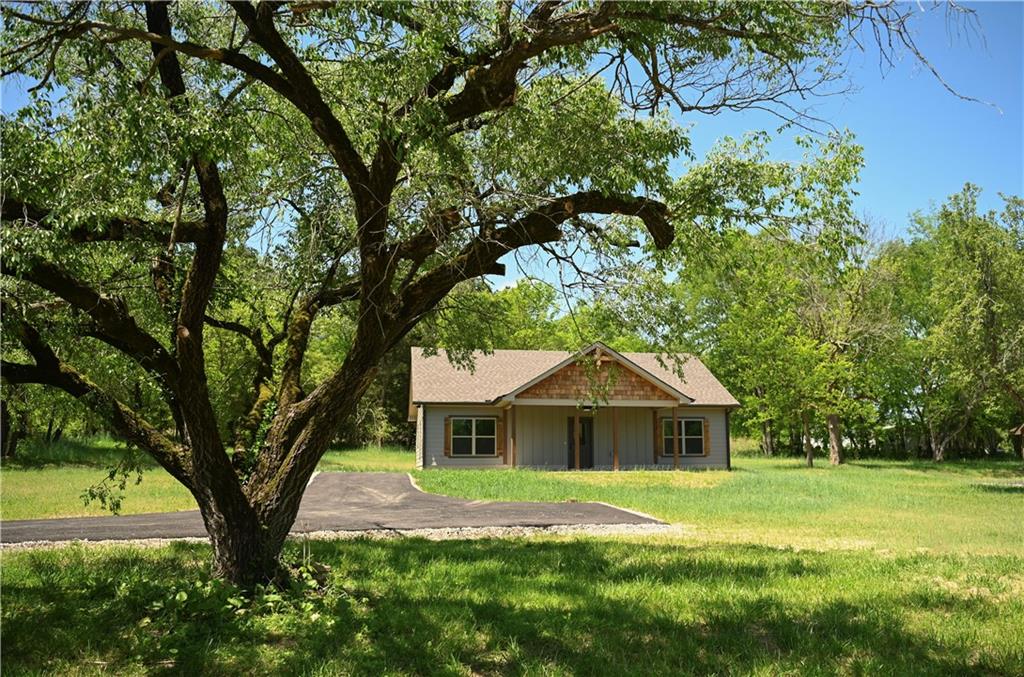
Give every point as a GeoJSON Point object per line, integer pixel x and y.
{"type": "Point", "coordinates": [970, 506]}
{"type": "Point", "coordinates": [49, 480]}
{"type": "Point", "coordinates": [369, 459]}
{"type": "Point", "coordinates": [899, 568]}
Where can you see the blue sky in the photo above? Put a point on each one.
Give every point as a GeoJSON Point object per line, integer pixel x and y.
{"type": "Point", "coordinates": [921, 143]}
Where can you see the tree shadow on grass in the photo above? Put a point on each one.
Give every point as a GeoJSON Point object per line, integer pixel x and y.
{"type": "Point", "coordinates": [587, 608]}
{"type": "Point", "coordinates": [989, 468]}
{"type": "Point", "coordinates": [120, 611]}
{"type": "Point", "coordinates": [485, 607]}
{"type": "Point", "coordinates": [1017, 488]}
{"type": "Point", "coordinates": [35, 454]}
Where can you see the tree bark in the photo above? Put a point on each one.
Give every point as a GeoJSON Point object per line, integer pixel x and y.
{"type": "Point", "coordinates": [767, 438]}
{"type": "Point", "coordinates": [805, 419]}
{"type": "Point", "coordinates": [937, 443]}
{"type": "Point", "coordinates": [5, 429]}
{"type": "Point", "coordinates": [835, 439]}
{"type": "Point", "coordinates": [243, 551]}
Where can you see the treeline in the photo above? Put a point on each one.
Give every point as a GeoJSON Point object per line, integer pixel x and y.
{"type": "Point", "coordinates": [912, 347]}
{"type": "Point", "coordinates": [834, 341]}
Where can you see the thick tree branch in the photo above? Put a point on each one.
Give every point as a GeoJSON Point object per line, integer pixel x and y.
{"type": "Point", "coordinates": [113, 322]}
{"type": "Point", "coordinates": [50, 370]}
{"type": "Point", "coordinates": [106, 230]}
{"type": "Point", "coordinates": [305, 94]}
{"type": "Point", "coordinates": [298, 331]}
{"type": "Point", "coordinates": [223, 503]}
{"type": "Point", "coordinates": [539, 226]}
{"type": "Point", "coordinates": [164, 41]}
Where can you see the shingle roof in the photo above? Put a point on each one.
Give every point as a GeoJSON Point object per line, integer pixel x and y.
{"type": "Point", "coordinates": [435, 379]}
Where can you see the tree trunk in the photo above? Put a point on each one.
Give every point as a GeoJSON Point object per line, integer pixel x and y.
{"type": "Point", "coordinates": [14, 430]}
{"type": "Point", "coordinates": [835, 439]}
{"type": "Point", "coordinates": [937, 443]}
{"type": "Point", "coordinates": [767, 438]}
{"type": "Point", "coordinates": [49, 431]}
{"type": "Point", "coordinates": [244, 554]}
{"type": "Point", "coordinates": [5, 428]}
{"type": "Point", "coordinates": [805, 418]}
{"type": "Point", "coordinates": [794, 438]}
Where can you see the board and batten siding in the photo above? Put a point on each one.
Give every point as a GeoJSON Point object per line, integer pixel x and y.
{"type": "Point", "coordinates": [432, 417]}
{"type": "Point", "coordinates": [542, 439]}
{"type": "Point", "coordinates": [542, 436]}
{"type": "Point", "coordinates": [717, 451]}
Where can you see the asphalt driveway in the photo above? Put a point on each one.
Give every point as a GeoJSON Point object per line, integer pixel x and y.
{"type": "Point", "coordinates": [337, 501]}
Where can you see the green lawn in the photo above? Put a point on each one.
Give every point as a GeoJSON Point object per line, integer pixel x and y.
{"type": "Point", "coordinates": [972, 507]}
{"type": "Point", "coordinates": [542, 606]}
{"type": "Point", "coordinates": [371, 459]}
{"type": "Point", "coordinates": [873, 568]}
{"type": "Point", "coordinates": [48, 480]}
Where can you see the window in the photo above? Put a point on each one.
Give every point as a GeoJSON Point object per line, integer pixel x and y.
{"type": "Point", "coordinates": [474, 436]}
{"type": "Point", "coordinates": [691, 437]}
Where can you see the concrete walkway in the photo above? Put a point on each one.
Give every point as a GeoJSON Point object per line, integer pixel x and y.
{"type": "Point", "coordinates": [337, 501]}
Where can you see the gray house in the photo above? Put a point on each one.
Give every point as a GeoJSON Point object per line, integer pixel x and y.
{"type": "Point", "coordinates": [550, 409]}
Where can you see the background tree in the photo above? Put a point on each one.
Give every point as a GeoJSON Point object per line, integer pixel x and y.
{"type": "Point", "coordinates": [897, 348]}
{"type": "Point", "coordinates": [973, 344]}
{"type": "Point", "coordinates": [178, 162]}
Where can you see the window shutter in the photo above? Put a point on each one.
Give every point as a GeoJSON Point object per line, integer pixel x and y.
{"type": "Point", "coordinates": [707, 437]}
{"type": "Point", "coordinates": [499, 433]}
{"type": "Point", "coordinates": [447, 435]}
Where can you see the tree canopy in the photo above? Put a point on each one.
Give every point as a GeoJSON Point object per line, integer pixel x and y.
{"type": "Point", "coordinates": [201, 182]}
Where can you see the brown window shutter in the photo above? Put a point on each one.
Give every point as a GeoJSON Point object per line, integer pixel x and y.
{"type": "Point", "coordinates": [707, 437]}
{"type": "Point", "coordinates": [447, 435]}
{"type": "Point", "coordinates": [499, 432]}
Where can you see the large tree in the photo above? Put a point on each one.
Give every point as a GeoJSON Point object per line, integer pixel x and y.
{"type": "Point", "coordinates": [964, 272]}
{"type": "Point", "coordinates": [242, 168]}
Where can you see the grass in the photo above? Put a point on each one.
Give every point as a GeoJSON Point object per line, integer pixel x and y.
{"type": "Point", "coordinates": [48, 480]}
{"type": "Point", "coordinates": [370, 459]}
{"type": "Point", "coordinates": [970, 506]}
{"type": "Point", "coordinates": [542, 606]}
{"type": "Point", "coordinates": [890, 568]}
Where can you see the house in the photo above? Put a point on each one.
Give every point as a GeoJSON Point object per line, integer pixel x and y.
{"type": "Point", "coordinates": [597, 408]}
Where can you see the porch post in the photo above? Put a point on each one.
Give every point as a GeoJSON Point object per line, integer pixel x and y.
{"type": "Point", "coordinates": [675, 439]}
{"type": "Point", "coordinates": [576, 438]}
{"type": "Point", "coordinates": [512, 437]}
{"type": "Point", "coordinates": [615, 438]}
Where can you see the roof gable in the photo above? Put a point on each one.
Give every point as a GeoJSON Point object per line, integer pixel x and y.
{"type": "Point", "coordinates": [569, 379]}
{"type": "Point", "coordinates": [610, 382]}
{"type": "Point", "coordinates": [434, 379]}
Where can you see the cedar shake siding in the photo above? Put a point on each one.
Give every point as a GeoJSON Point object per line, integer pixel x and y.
{"type": "Point", "coordinates": [613, 382]}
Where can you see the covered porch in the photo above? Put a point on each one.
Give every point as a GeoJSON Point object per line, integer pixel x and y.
{"type": "Point", "coordinates": [561, 435]}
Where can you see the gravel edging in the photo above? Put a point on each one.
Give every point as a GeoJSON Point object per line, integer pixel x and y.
{"type": "Point", "coordinates": [449, 534]}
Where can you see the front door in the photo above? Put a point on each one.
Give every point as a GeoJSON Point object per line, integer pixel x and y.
{"type": "Point", "coordinates": [586, 443]}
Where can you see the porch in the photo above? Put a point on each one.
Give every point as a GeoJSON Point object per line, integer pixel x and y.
{"type": "Point", "coordinates": [612, 437]}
